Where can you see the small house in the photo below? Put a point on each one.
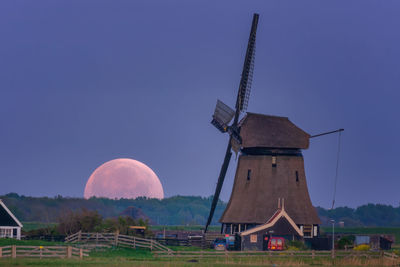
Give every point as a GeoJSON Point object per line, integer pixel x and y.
{"type": "Point", "coordinates": [383, 242]}
{"type": "Point", "coordinates": [280, 224]}
{"type": "Point", "coordinates": [10, 227]}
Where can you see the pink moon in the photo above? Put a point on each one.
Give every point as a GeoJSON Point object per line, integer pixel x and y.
{"type": "Point", "coordinates": [123, 178]}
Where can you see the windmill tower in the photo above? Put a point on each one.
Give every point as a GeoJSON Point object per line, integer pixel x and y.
{"type": "Point", "coordinates": [270, 165]}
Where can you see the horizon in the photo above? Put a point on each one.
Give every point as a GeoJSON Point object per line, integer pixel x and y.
{"type": "Point", "coordinates": [203, 197]}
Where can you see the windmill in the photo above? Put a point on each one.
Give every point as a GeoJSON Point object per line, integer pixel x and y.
{"type": "Point", "coordinates": [270, 166]}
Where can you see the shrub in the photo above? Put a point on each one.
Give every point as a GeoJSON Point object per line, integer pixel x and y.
{"type": "Point", "coordinates": [362, 247]}
{"type": "Point", "coordinates": [295, 245]}
{"type": "Point", "coordinates": [85, 220]}
{"type": "Point", "coordinates": [91, 221]}
{"type": "Point", "coordinates": [344, 241]}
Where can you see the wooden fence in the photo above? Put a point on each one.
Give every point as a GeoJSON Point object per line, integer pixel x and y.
{"type": "Point", "coordinates": [174, 242]}
{"type": "Point", "coordinates": [284, 254]}
{"type": "Point", "coordinates": [43, 252]}
{"type": "Point", "coordinates": [116, 240]}
{"type": "Point", "coordinates": [190, 241]}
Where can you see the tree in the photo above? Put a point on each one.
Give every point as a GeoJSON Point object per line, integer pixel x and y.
{"type": "Point", "coordinates": [84, 220]}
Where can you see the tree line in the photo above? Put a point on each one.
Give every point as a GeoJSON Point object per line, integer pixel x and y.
{"type": "Point", "coordinates": [176, 210]}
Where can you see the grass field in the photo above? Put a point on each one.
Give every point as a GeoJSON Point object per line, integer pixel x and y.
{"type": "Point", "coordinates": [367, 230]}
{"type": "Point", "coordinates": [142, 257]}
{"type": "Point", "coordinates": [123, 257]}
{"type": "Point", "coordinates": [346, 230]}
{"type": "Point", "coordinates": [28, 226]}
{"type": "Point", "coordinates": [129, 257]}
{"type": "Point", "coordinates": [10, 241]}
{"type": "Point", "coordinates": [185, 227]}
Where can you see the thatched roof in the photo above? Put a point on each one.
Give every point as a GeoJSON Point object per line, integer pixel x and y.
{"type": "Point", "coordinates": [258, 130]}
{"type": "Point", "coordinates": [255, 200]}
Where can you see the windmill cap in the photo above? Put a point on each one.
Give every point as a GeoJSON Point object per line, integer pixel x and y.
{"type": "Point", "coordinates": [259, 130]}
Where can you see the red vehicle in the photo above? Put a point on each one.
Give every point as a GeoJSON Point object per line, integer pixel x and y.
{"type": "Point", "coordinates": [274, 243]}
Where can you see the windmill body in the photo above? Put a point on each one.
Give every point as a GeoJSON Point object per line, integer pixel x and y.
{"type": "Point", "coordinates": [270, 168]}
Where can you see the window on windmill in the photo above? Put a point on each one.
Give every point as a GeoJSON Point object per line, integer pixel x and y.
{"type": "Point", "coordinates": [248, 175]}
{"type": "Point", "coordinates": [273, 161]}
{"type": "Point", "coordinates": [297, 176]}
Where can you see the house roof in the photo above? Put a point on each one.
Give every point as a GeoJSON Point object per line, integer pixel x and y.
{"type": "Point", "coordinates": [258, 130]}
{"type": "Point", "coordinates": [279, 214]}
{"type": "Point", "coordinates": [6, 216]}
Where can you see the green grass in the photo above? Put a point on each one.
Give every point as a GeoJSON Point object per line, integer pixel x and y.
{"type": "Point", "coordinates": [142, 257]}
{"type": "Point", "coordinates": [11, 241]}
{"type": "Point", "coordinates": [184, 248]}
{"type": "Point", "coordinates": [28, 226]}
{"type": "Point", "coordinates": [185, 227]}
{"type": "Point", "coordinates": [367, 230]}
{"type": "Point", "coordinates": [216, 262]}
{"type": "Point", "coordinates": [119, 252]}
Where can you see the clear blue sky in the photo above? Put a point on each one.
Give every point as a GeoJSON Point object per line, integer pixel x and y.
{"type": "Point", "coordinates": [83, 82]}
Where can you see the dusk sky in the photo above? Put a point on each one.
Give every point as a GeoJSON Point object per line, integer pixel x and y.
{"type": "Point", "coordinates": [84, 82]}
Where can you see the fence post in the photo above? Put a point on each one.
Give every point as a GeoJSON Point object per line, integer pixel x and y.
{"type": "Point", "coordinates": [116, 237]}
{"type": "Point", "coordinates": [69, 252]}
{"type": "Point", "coordinates": [1, 252]}
{"type": "Point", "coordinates": [40, 251]}
{"type": "Point", "coordinates": [14, 251]}
{"type": "Point", "coordinates": [97, 238]}
{"type": "Point", "coordinates": [151, 244]}
{"type": "Point", "coordinates": [333, 254]}
{"type": "Point", "coordinates": [313, 254]}
{"type": "Point", "coordinates": [134, 242]}
{"type": "Point", "coordinates": [79, 235]}
{"type": "Point", "coordinates": [81, 253]}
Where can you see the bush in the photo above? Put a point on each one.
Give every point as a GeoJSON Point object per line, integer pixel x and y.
{"type": "Point", "coordinates": [363, 247]}
{"type": "Point", "coordinates": [294, 245]}
{"type": "Point", "coordinates": [91, 221]}
{"type": "Point", "coordinates": [85, 220]}
{"type": "Point", "coordinates": [345, 241]}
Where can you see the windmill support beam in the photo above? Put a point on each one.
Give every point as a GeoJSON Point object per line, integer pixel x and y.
{"type": "Point", "coordinates": [331, 132]}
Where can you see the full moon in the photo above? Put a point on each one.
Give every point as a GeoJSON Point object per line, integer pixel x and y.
{"type": "Point", "coordinates": [123, 178]}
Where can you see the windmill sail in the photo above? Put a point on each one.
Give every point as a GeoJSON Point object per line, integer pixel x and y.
{"type": "Point", "coordinates": [248, 68]}
{"type": "Point", "coordinates": [241, 105]}
{"type": "Point", "coordinates": [223, 114]}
